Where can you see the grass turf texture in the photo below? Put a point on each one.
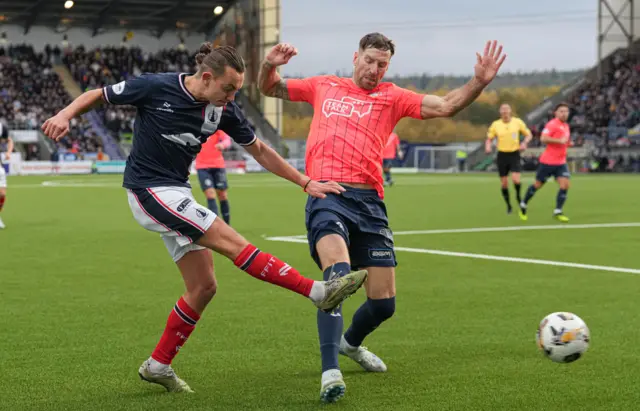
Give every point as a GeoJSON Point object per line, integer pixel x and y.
{"type": "Point", "coordinates": [85, 293]}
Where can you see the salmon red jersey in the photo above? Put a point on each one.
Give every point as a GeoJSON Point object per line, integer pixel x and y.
{"type": "Point", "coordinates": [391, 149]}
{"type": "Point", "coordinates": [351, 126]}
{"type": "Point", "coordinates": [556, 154]}
{"type": "Point", "coordinates": [210, 156]}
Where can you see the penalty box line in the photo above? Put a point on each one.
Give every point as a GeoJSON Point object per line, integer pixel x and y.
{"type": "Point", "coordinates": [488, 257]}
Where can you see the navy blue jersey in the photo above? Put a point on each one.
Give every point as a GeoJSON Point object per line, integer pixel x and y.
{"type": "Point", "coordinates": [170, 128]}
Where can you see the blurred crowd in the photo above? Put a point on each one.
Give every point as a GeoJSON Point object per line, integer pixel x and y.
{"type": "Point", "coordinates": [603, 110]}
{"type": "Point", "coordinates": [31, 92]}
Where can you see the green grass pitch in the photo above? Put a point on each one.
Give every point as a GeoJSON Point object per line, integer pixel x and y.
{"type": "Point", "coordinates": [85, 292]}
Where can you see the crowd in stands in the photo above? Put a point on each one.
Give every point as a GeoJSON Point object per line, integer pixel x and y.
{"type": "Point", "coordinates": [602, 110]}
{"type": "Point", "coordinates": [31, 92]}
{"type": "Point", "coordinates": [109, 65]}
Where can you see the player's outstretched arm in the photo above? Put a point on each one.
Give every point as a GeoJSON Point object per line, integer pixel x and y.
{"type": "Point", "coordinates": [58, 126]}
{"type": "Point", "coordinates": [485, 71]}
{"type": "Point", "coordinates": [269, 81]}
{"type": "Point", "coordinates": [269, 159]}
{"type": "Point", "coordinates": [552, 140]}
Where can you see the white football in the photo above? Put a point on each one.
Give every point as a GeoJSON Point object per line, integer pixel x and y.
{"type": "Point", "coordinates": [563, 337]}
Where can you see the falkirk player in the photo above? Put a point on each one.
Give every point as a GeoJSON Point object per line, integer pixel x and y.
{"type": "Point", "coordinates": [176, 114]}
{"type": "Point", "coordinates": [353, 118]}
{"type": "Point", "coordinates": [553, 162]}
{"type": "Point", "coordinates": [8, 143]}
{"type": "Point", "coordinates": [388, 155]}
{"type": "Point", "coordinates": [212, 173]}
{"type": "Point", "coordinates": [508, 130]}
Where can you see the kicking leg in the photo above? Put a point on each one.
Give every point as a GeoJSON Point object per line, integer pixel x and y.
{"type": "Point", "coordinates": [326, 295]}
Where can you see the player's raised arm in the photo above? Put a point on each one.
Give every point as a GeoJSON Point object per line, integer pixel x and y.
{"type": "Point", "coordinates": [485, 71]}
{"type": "Point", "coordinates": [57, 126]}
{"type": "Point", "coordinates": [269, 81]}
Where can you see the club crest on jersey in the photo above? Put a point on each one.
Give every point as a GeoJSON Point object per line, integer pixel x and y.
{"type": "Point", "coordinates": [211, 119]}
{"type": "Point", "coordinates": [346, 107]}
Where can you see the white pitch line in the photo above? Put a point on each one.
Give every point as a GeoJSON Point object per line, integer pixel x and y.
{"type": "Point", "coordinates": [490, 257]}
{"type": "Point", "coordinates": [518, 228]}
{"type": "Point", "coordinates": [498, 229]}
{"type": "Point", "coordinates": [520, 260]}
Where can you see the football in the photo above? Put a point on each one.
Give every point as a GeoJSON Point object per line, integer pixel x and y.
{"type": "Point", "coordinates": [563, 337]}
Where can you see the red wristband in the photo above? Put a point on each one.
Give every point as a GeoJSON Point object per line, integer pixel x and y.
{"type": "Point", "coordinates": [305, 186]}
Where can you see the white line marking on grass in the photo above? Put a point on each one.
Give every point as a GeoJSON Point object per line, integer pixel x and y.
{"type": "Point", "coordinates": [489, 257]}
{"type": "Point", "coordinates": [518, 228]}
{"type": "Point", "coordinates": [495, 229]}
{"type": "Point", "coordinates": [520, 260]}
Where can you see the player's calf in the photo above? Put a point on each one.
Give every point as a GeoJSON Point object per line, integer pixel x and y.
{"type": "Point", "coordinates": [369, 317]}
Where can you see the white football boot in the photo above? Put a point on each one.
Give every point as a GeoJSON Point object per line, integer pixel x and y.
{"type": "Point", "coordinates": [154, 372]}
{"type": "Point", "coordinates": [332, 386]}
{"type": "Point", "coordinates": [367, 360]}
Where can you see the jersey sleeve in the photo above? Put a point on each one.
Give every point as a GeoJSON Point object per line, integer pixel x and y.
{"type": "Point", "coordinates": [549, 129]}
{"type": "Point", "coordinates": [524, 130]}
{"type": "Point", "coordinates": [235, 124]}
{"type": "Point", "coordinates": [302, 89]}
{"type": "Point", "coordinates": [131, 92]}
{"type": "Point", "coordinates": [492, 132]}
{"type": "Point", "coordinates": [408, 103]}
{"type": "Point", "coordinates": [225, 140]}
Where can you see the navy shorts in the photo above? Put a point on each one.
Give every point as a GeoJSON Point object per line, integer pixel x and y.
{"type": "Point", "coordinates": [387, 163]}
{"type": "Point", "coordinates": [213, 178]}
{"type": "Point", "coordinates": [360, 217]}
{"type": "Point", "coordinates": [545, 171]}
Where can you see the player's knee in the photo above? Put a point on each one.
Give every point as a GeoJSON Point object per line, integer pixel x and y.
{"type": "Point", "coordinates": [210, 193]}
{"type": "Point", "coordinates": [223, 239]}
{"type": "Point", "coordinates": [382, 309]}
{"type": "Point", "coordinates": [205, 291]}
{"type": "Point", "coordinates": [222, 195]}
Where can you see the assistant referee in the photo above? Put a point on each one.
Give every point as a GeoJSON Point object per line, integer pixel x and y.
{"type": "Point", "coordinates": [508, 130]}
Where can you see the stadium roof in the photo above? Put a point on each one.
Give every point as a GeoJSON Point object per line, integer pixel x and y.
{"type": "Point", "coordinates": [99, 15]}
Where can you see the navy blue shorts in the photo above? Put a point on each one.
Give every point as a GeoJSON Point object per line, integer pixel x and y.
{"type": "Point", "coordinates": [545, 171]}
{"type": "Point", "coordinates": [360, 217]}
{"type": "Point", "coordinates": [213, 178]}
{"type": "Point", "coordinates": [387, 163]}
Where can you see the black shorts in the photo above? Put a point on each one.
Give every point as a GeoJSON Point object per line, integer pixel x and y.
{"type": "Point", "coordinates": [360, 217]}
{"type": "Point", "coordinates": [508, 162]}
{"type": "Point", "coordinates": [213, 178]}
{"type": "Point", "coordinates": [546, 170]}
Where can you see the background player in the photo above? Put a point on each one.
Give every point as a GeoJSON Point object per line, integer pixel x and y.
{"type": "Point", "coordinates": [6, 144]}
{"type": "Point", "coordinates": [507, 130]}
{"type": "Point", "coordinates": [553, 162]}
{"type": "Point", "coordinates": [212, 173]}
{"type": "Point", "coordinates": [156, 177]}
{"type": "Point", "coordinates": [352, 121]}
{"type": "Point", "coordinates": [389, 154]}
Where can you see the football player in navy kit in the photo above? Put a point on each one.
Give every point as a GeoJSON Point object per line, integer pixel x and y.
{"type": "Point", "coordinates": [176, 114]}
